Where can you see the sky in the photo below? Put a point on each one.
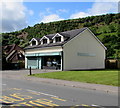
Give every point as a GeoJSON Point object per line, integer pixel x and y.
{"type": "Point", "coordinates": [18, 15]}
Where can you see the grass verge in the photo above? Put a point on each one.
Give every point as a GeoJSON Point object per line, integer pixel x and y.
{"type": "Point", "coordinates": [106, 77]}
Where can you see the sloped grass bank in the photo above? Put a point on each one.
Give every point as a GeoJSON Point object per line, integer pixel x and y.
{"type": "Point", "coordinates": [106, 77]}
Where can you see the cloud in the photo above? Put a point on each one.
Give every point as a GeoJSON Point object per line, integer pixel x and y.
{"type": "Point", "coordinates": [98, 8]}
{"type": "Point", "coordinates": [51, 18]}
{"type": "Point", "coordinates": [31, 12]}
{"type": "Point", "coordinates": [103, 8]}
{"type": "Point", "coordinates": [48, 10]}
{"type": "Point", "coordinates": [62, 11]}
{"type": "Point", "coordinates": [79, 15]}
{"type": "Point", "coordinates": [51, 15]}
{"type": "Point", "coordinates": [14, 15]}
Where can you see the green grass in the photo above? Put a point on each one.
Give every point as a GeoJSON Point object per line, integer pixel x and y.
{"type": "Point", "coordinates": [106, 77]}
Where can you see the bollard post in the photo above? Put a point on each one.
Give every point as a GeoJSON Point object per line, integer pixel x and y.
{"type": "Point", "coordinates": [30, 71]}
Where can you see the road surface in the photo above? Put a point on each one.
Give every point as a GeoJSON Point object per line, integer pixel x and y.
{"type": "Point", "coordinates": [16, 92]}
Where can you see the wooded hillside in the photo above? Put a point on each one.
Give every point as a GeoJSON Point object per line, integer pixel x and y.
{"type": "Point", "coordinates": [105, 27]}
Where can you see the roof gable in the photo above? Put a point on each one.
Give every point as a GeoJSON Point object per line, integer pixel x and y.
{"type": "Point", "coordinates": [34, 39]}
{"type": "Point", "coordinates": [9, 48]}
{"type": "Point", "coordinates": [57, 34]}
{"type": "Point", "coordinates": [92, 35]}
{"type": "Point", "coordinates": [97, 39]}
{"type": "Point", "coordinates": [44, 37]}
{"type": "Point", "coordinates": [69, 36]}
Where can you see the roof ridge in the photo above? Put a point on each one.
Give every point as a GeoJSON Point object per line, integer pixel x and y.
{"type": "Point", "coordinates": [66, 31]}
{"type": "Point", "coordinates": [70, 34]}
{"type": "Point", "coordinates": [76, 29]}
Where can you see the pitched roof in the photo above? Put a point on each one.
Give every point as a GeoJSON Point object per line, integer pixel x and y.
{"type": "Point", "coordinates": [73, 33]}
{"type": "Point", "coordinates": [50, 36]}
{"type": "Point", "coordinates": [9, 48]}
{"type": "Point", "coordinates": [37, 38]}
{"type": "Point", "coordinates": [69, 34]}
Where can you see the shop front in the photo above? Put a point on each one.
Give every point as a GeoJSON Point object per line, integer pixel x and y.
{"type": "Point", "coordinates": [52, 60]}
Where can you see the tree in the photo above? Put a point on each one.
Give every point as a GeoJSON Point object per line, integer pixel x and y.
{"type": "Point", "coordinates": [117, 54]}
{"type": "Point", "coordinates": [94, 30]}
{"type": "Point", "coordinates": [112, 28]}
{"type": "Point", "coordinates": [108, 19]}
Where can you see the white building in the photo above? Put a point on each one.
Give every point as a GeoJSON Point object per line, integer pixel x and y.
{"type": "Point", "coordinates": [70, 50]}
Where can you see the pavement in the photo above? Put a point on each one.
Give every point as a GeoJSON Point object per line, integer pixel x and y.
{"type": "Point", "coordinates": [23, 74]}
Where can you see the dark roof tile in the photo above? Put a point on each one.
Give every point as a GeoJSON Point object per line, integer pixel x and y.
{"type": "Point", "coordinates": [37, 38]}
{"type": "Point", "coordinates": [71, 34]}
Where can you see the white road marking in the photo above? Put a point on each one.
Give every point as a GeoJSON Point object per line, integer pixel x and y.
{"type": "Point", "coordinates": [97, 106]}
{"type": "Point", "coordinates": [42, 93]}
{"type": "Point", "coordinates": [94, 105]}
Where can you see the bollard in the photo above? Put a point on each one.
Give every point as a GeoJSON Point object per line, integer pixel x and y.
{"type": "Point", "coordinates": [30, 71]}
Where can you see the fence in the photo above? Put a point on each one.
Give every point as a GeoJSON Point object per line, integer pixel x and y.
{"type": "Point", "coordinates": [112, 63]}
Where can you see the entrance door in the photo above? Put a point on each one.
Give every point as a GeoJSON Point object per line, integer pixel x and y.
{"type": "Point", "coordinates": [33, 63]}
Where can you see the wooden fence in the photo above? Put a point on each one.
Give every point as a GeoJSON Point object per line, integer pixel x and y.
{"type": "Point", "coordinates": [112, 63]}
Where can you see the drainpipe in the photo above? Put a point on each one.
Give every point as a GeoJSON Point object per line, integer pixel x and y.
{"type": "Point", "coordinates": [62, 60]}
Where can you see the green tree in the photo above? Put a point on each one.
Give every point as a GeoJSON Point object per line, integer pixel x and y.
{"type": "Point", "coordinates": [112, 28]}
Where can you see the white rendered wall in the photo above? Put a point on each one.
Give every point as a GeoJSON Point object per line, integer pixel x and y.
{"type": "Point", "coordinates": [84, 52]}
{"type": "Point", "coordinates": [43, 50]}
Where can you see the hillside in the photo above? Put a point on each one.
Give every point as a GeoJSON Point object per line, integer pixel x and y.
{"type": "Point", "coordinates": [105, 27]}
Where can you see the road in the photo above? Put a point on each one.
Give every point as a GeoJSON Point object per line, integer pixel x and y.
{"type": "Point", "coordinates": [16, 92]}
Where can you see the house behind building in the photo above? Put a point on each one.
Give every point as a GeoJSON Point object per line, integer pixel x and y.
{"type": "Point", "coordinates": [14, 56]}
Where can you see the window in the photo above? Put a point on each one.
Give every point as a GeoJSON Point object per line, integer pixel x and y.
{"type": "Point", "coordinates": [33, 42]}
{"type": "Point", "coordinates": [58, 39]}
{"type": "Point", "coordinates": [44, 41]}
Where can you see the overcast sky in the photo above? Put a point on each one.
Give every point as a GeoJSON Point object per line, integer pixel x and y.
{"type": "Point", "coordinates": [18, 15]}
